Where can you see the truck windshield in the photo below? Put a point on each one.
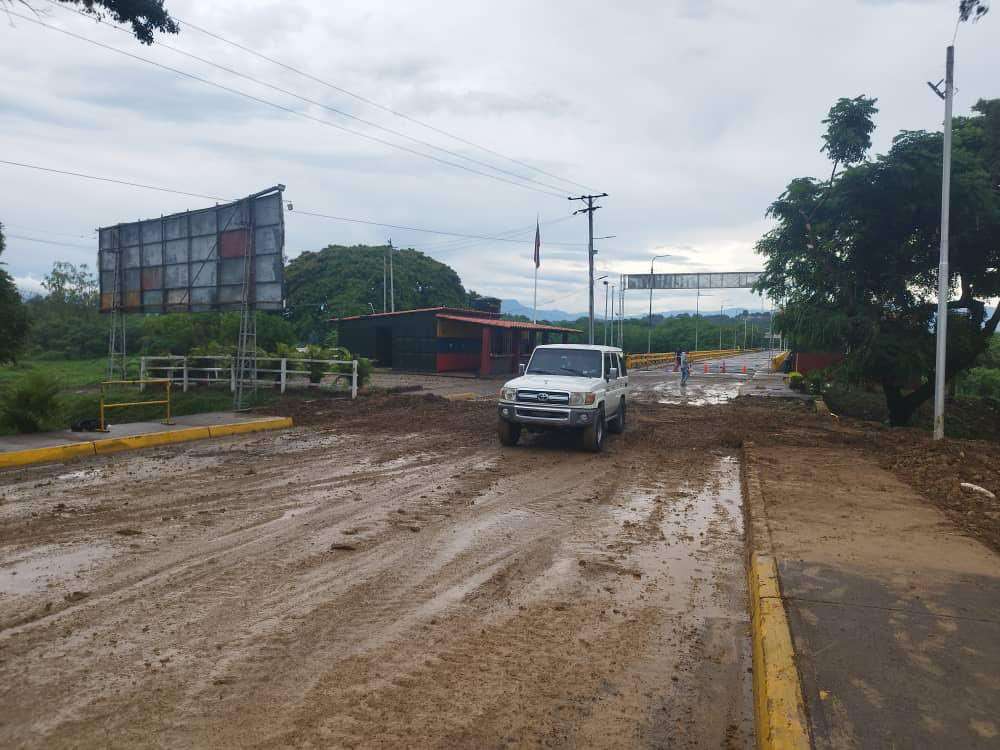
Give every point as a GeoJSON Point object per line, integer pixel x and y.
{"type": "Point", "coordinates": [583, 363]}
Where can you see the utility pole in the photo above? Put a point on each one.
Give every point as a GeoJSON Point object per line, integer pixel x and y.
{"type": "Point", "coordinates": [721, 323]}
{"type": "Point", "coordinates": [649, 333]}
{"type": "Point", "coordinates": [392, 280]}
{"type": "Point", "coordinates": [697, 301]}
{"type": "Point", "coordinates": [944, 281]}
{"type": "Point", "coordinates": [589, 210]}
{"type": "Point", "coordinates": [605, 313]}
{"type": "Point", "coordinates": [385, 282]}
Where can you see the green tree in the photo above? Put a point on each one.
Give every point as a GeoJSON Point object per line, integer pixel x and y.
{"type": "Point", "coordinates": [145, 16]}
{"type": "Point", "coordinates": [855, 258]}
{"type": "Point", "coordinates": [339, 281]}
{"type": "Point", "coordinates": [13, 315]}
{"type": "Point", "coordinates": [66, 321]}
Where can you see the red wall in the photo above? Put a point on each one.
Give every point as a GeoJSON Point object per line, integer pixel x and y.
{"type": "Point", "coordinates": [808, 361]}
{"type": "Point", "coordinates": [449, 361]}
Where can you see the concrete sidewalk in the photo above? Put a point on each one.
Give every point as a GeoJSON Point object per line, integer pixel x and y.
{"type": "Point", "coordinates": [895, 615]}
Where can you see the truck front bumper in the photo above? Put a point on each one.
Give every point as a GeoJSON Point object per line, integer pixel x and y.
{"type": "Point", "coordinates": [547, 416]}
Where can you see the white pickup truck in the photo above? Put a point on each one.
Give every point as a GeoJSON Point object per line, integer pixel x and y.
{"type": "Point", "coordinates": [567, 387]}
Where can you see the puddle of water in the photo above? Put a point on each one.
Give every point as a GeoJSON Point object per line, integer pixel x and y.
{"type": "Point", "coordinates": [49, 566]}
{"type": "Point", "coordinates": [696, 394]}
{"type": "Point", "coordinates": [78, 474]}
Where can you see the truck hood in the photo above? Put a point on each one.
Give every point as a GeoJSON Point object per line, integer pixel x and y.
{"type": "Point", "coordinates": [554, 382]}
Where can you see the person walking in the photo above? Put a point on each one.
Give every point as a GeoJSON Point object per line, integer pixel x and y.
{"type": "Point", "coordinates": [685, 369]}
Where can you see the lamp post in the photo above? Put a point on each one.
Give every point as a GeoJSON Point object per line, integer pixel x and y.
{"type": "Point", "coordinates": [605, 312]}
{"type": "Point", "coordinates": [649, 335]}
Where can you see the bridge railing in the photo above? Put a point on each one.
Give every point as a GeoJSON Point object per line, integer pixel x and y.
{"type": "Point", "coordinates": [658, 358]}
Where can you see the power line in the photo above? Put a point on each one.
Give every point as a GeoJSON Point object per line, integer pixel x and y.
{"type": "Point", "coordinates": [45, 242]}
{"type": "Point", "coordinates": [375, 104]}
{"type": "Point", "coordinates": [111, 179]}
{"type": "Point", "coordinates": [491, 238]}
{"type": "Point", "coordinates": [314, 102]}
{"type": "Point", "coordinates": [22, 227]}
{"type": "Point", "coordinates": [283, 108]}
{"type": "Point", "coordinates": [316, 214]}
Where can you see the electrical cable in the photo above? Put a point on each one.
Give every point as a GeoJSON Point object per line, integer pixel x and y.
{"type": "Point", "coordinates": [216, 198]}
{"type": "Point", "coordinates": [283, 108]}
{"type": "Point", "coordinates": [46, 242]}
{"type": "Point", "coordinates": [314, 102]}
{"type": "Point", "coordinates": [375, 104]}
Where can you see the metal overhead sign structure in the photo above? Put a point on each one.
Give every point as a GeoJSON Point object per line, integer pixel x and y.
{"type": "Point", "coordinates": [725, 280]}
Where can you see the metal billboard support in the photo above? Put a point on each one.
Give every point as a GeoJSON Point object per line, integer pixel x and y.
{"type": "Point", "coordinates": [117, 350]}
{"type": "Point", "coordinates": [246, 348]}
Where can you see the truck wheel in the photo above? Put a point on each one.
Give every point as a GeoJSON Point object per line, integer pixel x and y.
{"type": "Point", "coordinates": [618, 426]}
{"type": "Point", "coordinates": [593, 435]}
{"type": "Point", "coordinates": [510, 433]}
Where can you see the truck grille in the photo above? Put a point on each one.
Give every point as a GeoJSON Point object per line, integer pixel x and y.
{"type": "Point", "coordinates": [543, 398]}
{"type": "Point", "coordinates": [534, 412]}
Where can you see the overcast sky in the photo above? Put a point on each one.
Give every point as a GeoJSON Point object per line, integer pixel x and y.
{"type": "Point", "coordinates": [691, 115]}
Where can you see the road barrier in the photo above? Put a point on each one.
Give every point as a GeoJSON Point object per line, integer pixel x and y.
{"type": "Point", "coordinates": [651, 360]}
{"type": "Point", "coordinates": [281, 372]}
{"type": "Point", "coordinates": [142, 383]}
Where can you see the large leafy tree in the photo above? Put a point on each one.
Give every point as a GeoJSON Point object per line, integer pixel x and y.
{"type": "Point", "coordinates": [854, 259]}
{"type": "Point", "coordinates": [13, 316]}
{"type": "Point", "coordinates": [339, 281]}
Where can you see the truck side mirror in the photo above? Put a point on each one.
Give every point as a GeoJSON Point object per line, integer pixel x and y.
{"type": "Point", "coordinates": [520, 369]}
{"type": "Point", "coordinates": [613, 373]}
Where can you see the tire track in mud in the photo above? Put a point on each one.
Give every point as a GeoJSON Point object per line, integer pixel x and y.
{"type": "Point", "coordinates": [528, 596]}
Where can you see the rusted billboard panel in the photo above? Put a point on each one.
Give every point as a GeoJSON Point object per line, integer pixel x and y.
{"type": "Point", "coordinates": [197, 260]}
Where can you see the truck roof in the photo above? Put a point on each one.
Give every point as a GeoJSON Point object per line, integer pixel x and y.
{"type": "Point", "coordinates": [589, 347]}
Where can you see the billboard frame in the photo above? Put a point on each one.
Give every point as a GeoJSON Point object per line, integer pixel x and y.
{"type": "Point", "coordinates": [139, 272]}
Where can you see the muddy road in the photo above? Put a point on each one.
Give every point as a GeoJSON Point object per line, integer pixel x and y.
{"type": "Point", "coordinates": [387, 576]}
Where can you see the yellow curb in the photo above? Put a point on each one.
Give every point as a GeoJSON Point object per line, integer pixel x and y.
{"type": "Point", "coordinates": [52, 454]}
{"type": "Point", "coordinates": [150, 439]}
{"type": "Point", "coordinates": [56, 453]}
{"type": "Point", "coordinates": [258, 425]}
{"type": "Point", "coordinates": [778, 706]}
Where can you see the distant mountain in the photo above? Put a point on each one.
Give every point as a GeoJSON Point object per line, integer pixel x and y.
{"type": "Point", "coordinates": [513, 307]}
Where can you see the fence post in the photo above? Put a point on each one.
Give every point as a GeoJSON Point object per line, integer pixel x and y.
{"type": "Point", "coordinates": [142, 374]}
{"type": "Point", "coordinates": [284, 373]}
{"type": "Point", "coordinates": [354, 378]}
{"type": "Point", "coordinates": [232, 375]}
{"type": "Point", "coordinates": [185, 374]}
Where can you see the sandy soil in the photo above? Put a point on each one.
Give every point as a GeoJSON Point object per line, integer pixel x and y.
{"type": "Point", "coordinates": [387, 576]}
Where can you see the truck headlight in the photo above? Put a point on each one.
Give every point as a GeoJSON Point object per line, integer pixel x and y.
{"type": "Point", "coordinates": [508, 394]}
{"type": "Point", "coordinates": [582, 399]}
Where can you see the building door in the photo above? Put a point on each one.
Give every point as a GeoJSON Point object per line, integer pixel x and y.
{"type": "Point", "coordinates": [383, 346]}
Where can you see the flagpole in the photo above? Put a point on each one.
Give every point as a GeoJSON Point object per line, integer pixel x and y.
{"type": "Point", "coordinates": [534, 311]}
{"type": "Point", "coordinates": [538, 244]}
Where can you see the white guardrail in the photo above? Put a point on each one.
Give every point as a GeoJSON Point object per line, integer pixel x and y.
{"type": "Point", "coordinates": [209, 370]}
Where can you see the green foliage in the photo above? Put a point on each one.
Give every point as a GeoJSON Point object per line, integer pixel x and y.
{"type": "Point", "coordinates": [209, 333]}
{"type": "Point", "coordinates": [145, 16]}
{"type": "Point", "coordinates": [30, 404]}
{"type": "Point", "coordinates": [13, 315]}
{"type": "Point", "coordinates": [66, 322]}
{"type": "Point", "coordinates": [855, 259]}
{"type": "Point", "coordinates": [981, 382]}
{"type": "Point", "coordinates": [340, 281]}
{"type": "Point", "coordinates": [849, 126]}
{"type": "Point", "coordinates": [797, 381]}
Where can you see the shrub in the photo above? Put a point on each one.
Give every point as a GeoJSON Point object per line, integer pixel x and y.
{"type": "Point", "coordinates": [797, 381]}
{"type": "Point", "coordinates": [31, 403]}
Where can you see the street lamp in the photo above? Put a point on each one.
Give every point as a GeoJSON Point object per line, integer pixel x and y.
{"type": "Point", "coordinates": [649, 335]}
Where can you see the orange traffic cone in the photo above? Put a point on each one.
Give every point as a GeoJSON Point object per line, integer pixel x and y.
{"type": "Point", "coordinates": [744, 369]}
{"type": "Point", "coordinates": [706, 369]}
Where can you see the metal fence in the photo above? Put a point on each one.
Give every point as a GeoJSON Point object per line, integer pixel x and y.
{"type": "Point", "coordinates": [284, 372]}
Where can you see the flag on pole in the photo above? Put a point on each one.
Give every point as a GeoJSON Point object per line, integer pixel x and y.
{"type": "Point", "coordinates": [538, 245]}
